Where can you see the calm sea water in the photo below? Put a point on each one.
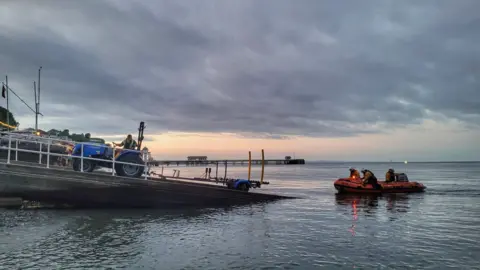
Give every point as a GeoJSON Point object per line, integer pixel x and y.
{"type": "Point", "coordinates": [438, 229]}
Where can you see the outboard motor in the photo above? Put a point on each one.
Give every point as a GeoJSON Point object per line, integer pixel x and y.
{"type": "Point", "coordinates": [401, 177]}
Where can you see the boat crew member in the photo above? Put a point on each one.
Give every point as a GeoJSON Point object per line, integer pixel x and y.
{"type": "Point", "coordinates": [354, 173]}
{"type": "Point", "coordinates": [128, 143]}
{"type": "Point", "coordinates": [369, 178]}
{"type": "Point", "coordinates": [390, 176]}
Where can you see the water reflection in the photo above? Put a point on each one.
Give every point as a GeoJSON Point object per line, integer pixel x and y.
{"type": "Point", "coordinates": [436, 230]}
{"type": "Point", "coordinates": [397, 203]}
{"type": "Point", "coordinates": [369, 203]}
{"type": "Point", "coordinates": [241, 233]}
{"type": "Point", "coordinates": [365, 203]}
{"type": "Point", "coordinates": [89, 238]}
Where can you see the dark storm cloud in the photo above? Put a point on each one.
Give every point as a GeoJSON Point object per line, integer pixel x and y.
{"type": "Point", "coordinates": [256, 68]}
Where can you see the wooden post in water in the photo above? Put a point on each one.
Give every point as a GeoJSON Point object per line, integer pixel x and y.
{"type": "Point", "coordinates": [249, 164]}
{"type": "Point", "coordinates": [216, 172]}
{"type": "Point", "coordinates": [225, 177]}
{"type": "Point", "coordinates": [263, 167]}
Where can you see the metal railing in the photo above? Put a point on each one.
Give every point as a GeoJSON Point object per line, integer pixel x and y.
{"type": "Point", "coordinates": [51, 141]}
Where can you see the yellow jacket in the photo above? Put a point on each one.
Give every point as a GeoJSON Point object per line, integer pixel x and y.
{"type": "Point", "coordinates": [389, 177]}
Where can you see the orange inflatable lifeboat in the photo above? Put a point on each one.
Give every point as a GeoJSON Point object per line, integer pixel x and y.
{"type": "Point", "coordinates": [400, 185]}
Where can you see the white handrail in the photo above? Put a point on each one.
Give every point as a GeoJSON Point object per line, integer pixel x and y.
{"type": "Point", "coordinates": [113, 161]}
{"type": "Point", "coordinates": [81, 158]}
{"type": "Point", "coordinates": [40, 155]}
{"type": "Point", "coordinates": [145, 165]}
{"type": "Point", "coordinates": [48, 155]}
{"type": "Point", "coordinates": [16, 148]}
{"type": "Point", "coordinates": [9, 148]}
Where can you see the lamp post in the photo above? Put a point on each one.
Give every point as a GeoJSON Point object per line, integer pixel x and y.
{"type": "Point", "coordinates": [37, 101]}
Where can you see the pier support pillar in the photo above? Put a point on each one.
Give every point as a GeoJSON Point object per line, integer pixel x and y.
{"type": "Point", "coordinates": [263, 167]}
{"type": "Point", "coordinates": [249, 164]}
{"type": "Point", "coordinates": [225, 177]}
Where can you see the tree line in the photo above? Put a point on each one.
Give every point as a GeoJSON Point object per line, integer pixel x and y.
{"type": "Point", "coordinates": [75, 137]}
{"type": "Point", "coordinates": [3, 117]}
{"type": "Point", "coordinates": [61, 133]}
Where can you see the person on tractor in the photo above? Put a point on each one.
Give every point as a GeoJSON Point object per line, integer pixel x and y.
{"type": "Point", "coordinates": [128, 143]}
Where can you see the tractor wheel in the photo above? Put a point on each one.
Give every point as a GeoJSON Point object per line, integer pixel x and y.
{"type": "Point", "coordinates": [88, 165]}
{"type": "Point", "coordinates": [243, 187]}
{"type": "Point", "coordinates": [128, 170]}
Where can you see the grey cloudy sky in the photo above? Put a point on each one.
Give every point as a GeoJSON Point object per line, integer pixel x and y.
{"type": "Point", "coordinates": [310, 67]}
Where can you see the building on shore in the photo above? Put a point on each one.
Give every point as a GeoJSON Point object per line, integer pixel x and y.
{"type": "Point", "coordinates": [197, 158]}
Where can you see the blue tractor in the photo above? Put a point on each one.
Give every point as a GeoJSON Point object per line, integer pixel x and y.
{"type": "Point", "coordinates": [104, 155]}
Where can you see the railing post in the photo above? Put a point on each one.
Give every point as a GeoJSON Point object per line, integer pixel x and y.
{"type": "Point", "coordinates": [40, 154]}
{"type": "Point", "coordinates": [145, 168]}
{"type": "Point", "coordinates": [16, 149]}
{"type": "Point", "coordinates": [9, 147]}
{"type": "Point", "coordinates": [48, 153]}
{"type": "Point", "coordinates": [113, 161]}
{"type": "Point", "coordinates": [81, 158]}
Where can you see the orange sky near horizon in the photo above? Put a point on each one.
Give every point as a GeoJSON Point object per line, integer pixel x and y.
{"type": "Point", "coordinates": [431, 141]}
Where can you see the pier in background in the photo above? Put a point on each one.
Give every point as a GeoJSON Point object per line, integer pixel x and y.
{"type": "Point", "coordinates": [203, 161]}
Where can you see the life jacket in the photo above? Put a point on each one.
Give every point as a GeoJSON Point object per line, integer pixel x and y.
{"type": "Point", "coordinates": [372, 176]}
{"type": "Point", "coordinates": [129, 144]}
{"type": "Point", "coordinates": [390, 176]}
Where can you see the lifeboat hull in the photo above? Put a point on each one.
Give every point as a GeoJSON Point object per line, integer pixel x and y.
{"type": "Point", "coordinates": [348, 185]}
